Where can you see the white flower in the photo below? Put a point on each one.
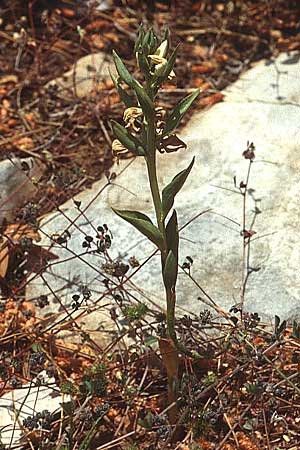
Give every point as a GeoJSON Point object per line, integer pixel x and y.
{"type": "Point", "coordinates": [162, 49]}
{"type": "Point", "coordinates": [159, 60]}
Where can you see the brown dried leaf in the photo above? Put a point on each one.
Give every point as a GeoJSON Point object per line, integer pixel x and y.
{"type": "Point", "coordinates": [200, 51]}
{"type": "Point", "coordinates": [169, 356]}
{"type": "Point", "coordinates": [171, 143]}
{"type": "Point", "coordinates": [16, 232]}
{"type": "Point", "coordinates": [204, 68]}
{"type": "Point", "coordinates": [62, 44]}
{"type": "Point", "coordinates": [24, 143]}
{"type": "Point", "coordinates": [228, 447]}
{"type": "Point", "coordinates": [98, 24]}
{"type": "Point", "coordinates": [201, 83]}
{"type": "Point", "coordinates": [112, 37]}
{"type": "Point", "coordinates": [12, 237]}
{"type": "Point", "coordinates": [204, 444]}
{"type": "Point", "coordinates": [97, 41]}
{"type": "Point", "coordinates": [245, 442]}
{"type": "Point", "coordinates": [38, 258]}
{"type": "Point", "coordinates": [67, 12]}
{"type": "Point", "coordinates": [212, 99]}
{"type": "Point", "coordinates": [248, 233]}
{"type": "Point", "coordinates": [8, 79]}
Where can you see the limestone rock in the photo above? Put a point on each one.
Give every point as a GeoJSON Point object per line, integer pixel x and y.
{"type": "Point", "coordinates": [27, 401]}
{"type": "Point", "coordinates": [84, 76]}
{"type": "Point", "coordinates": [17, 184]}
{"type": "Point", "coordinates": [101, 5]}
{"type": "Point", "coordinates": [252, 111]}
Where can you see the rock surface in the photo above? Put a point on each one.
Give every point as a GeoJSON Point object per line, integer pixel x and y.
{"type": "Point", "coordinates": [26, 401]}
{"type": "Point", "coordinates": [101, 5]}
{"type": "Point", "coordinates": [262, 107]}
{"type": "Point", "coordinates": [17, 184]}
{"type": "Point", "coordinates": [84, 76]}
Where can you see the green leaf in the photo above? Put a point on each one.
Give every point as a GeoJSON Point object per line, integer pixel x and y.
{"type": "Point", "coordinates": [143, 64]}
{"type": "Point", "coordinates": [141, 34]}
{"type": "Point", "coordinates": [153, 42]}
{"type": "Point", "coordinates": [122, 70]}
{"type": "Point", "coordinates": [126, 99]}
{"type": "Point", "coordinates": [89, 436]}
{"type": "Point", "coordinates": [142, 223]}
{"type": "Point", "coordinates": [167, 34]}
{"type": "Point", "coordinates": [169, 192]}
{"type": "Point", "coordinates": [170, 270]}
{"type": "Point", "coordinates": [178, 112]}
{"type": "Point", "coordinates": [282, 327]}
{"type": "Point", "coordinates": [150, 340]}
{"type": "Point", "coordinates": [130, 142]}
{"type": "Point", "coordinates": [68, 407]}
{"type": "Point", "coordinates": [277, 322]}
{"type": "Point", "coordinates": [296, 330]}
{"type": "Point", "coordinates": [145, 101]}
{"type": "Point", "coordinates": [36, 348]}
{"type": "Point", "coordinates": [147, 421]}
{"type": "Point", "coordinates": [172, 234]}
{"type": "Point", "coordinates": [146, 42]}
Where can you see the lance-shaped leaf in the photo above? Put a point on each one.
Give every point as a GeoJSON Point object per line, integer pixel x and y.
{"type": "Point", "coordinates": [170, 271]}
{"type": "Point", "coordinates": [122, 70]}
{"type": "Point", "coordinates": [126, 99]}
{"type": "Point", "coordinates": [142, 223]}
{"type": "Point", "coordinates": [153, 41]}
{"type": "Point", "coordinates": [138, 42]}
{"type": "Point", "coordinates": [169, 192]}
{"type": "Point", "coordinates": [146, 42]}
{"type": "Point", "coordinates": [143, 63]}
{"type": "Point", "coordinates": [178, 112]}
{"type": "Point", "coordinates": [171, 265]}
{"type": "Point", "coordinates": [129, 141]}
{"type": "Point", "coordinates": [145, 101]}
{"type": "Point", "coordinates": [167, 34]}
{"type": "Point", "coordinates": [173, 234]}
{"type": "Point", "coordinates": [296, 330]}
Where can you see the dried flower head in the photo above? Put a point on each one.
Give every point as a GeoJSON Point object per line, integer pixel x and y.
{"type": "Point", "coordinates": [132, 118]}
{"type": "Point", "coordinates": [170, 144]}
{"type": "Point", "coordinates": [118, 149]}
{"type": "Point", "coordinates": [160, 115]}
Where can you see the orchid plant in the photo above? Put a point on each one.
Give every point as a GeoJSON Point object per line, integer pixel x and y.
{"type": "Point", "coordinates": [148, 129]}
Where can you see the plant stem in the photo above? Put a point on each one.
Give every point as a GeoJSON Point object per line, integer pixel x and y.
{"type": "Point", "coordinates": [246, 241]}
{"type": "Point", "coordinates": [171, 300]}
{"type": "Point", "coordinates": [151, 166]}
{"type": "Point", "coordinates": [152, 175]}
{"type": "Point", "coordinates": [172, 365]}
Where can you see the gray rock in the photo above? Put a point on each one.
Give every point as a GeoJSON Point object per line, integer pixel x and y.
{"type": "Point", "coordinates": [27, 401]}
{"type": "Point", "coordinates": [100, 5]}
{"type": "Point", "coordinates": [17, 184]}
{"type": "Point", "coordinates": [84, 76]}
{"type": "Point", "coordinates": [252, 111]}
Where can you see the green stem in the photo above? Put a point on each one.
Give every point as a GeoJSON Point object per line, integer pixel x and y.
{"type": "Point", "coordinates": [152, 175]}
